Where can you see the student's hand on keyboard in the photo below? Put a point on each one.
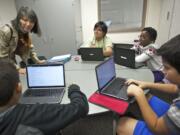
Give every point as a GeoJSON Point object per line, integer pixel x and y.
{"type": "Point", "coordinates": [141, 84]}
{"type": "Point", "coordinates": [134, 90]}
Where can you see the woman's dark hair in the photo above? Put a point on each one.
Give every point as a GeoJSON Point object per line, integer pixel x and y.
{"type": "Point", "coordinates": [152, 33]}
{"type": "Point", "coordinates": [9, 78]}
{"type": "Point", "coordinates": [31, 15]}
{"type": "Point", "coordinates": [102, 25]}
{"type": "Point", "coordinates": [170, 52]}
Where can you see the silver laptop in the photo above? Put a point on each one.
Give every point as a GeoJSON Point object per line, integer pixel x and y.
{"type": "Point", "coordinates": [46, 84]}
{"type": "Point", "coordinates": [126, 57]}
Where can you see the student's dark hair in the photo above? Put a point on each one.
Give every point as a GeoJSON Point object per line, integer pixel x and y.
{"type": "Point", "coordinates": [102, 25]}
{"type": "Point", "coordinates": [9, 79]}
{"type": "Point", "coordinates": [31, 15]}
{"type": "Point", "coordinates": [152, 33]}
{"type": "Point", "coordinates": [170, 52]}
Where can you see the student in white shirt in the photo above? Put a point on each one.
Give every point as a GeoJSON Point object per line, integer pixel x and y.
{"type": "Point", "coordinates": [146, 49]}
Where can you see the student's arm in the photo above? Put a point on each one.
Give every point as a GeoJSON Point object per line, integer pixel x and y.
{"type": "Point", "coordinates": [156, 125]}
{"type": "Point", "coordinates": [54, 117]}
{"type": "Point", "coordinates": [108, 51]}
{"type": "Point", "coordinates": [142, 58]}
{"type": "Point", "coordinates": [168, 88]}
{"type": "Point", "coordinates": [146, 55]}
{"type": "Point", "coordinates": [5, 38]}
{"type": "Point", "coordinates": [33, 56]}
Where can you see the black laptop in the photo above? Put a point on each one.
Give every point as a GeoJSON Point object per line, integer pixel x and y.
{"type": "Point", "coordinates": [125, 56]}
{"type": "Point", "coordinates": [91, 54]}
{"type": "Point", "coordinates": [109, 84]}
{"type": "Point", "coordinates": [46, 84]}
{"type": "Point", "coordinates": [107, 81]}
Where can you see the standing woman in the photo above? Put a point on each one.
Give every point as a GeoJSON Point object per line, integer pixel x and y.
{"type": "Point", "coordinates": [15, 38]}
{"type": "Point", "coordinates": [100, 40]}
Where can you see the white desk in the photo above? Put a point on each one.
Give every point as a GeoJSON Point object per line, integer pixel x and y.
{"type": "Point", "coordinates": [88, 65]}
{"type": "Point", "coordinates": [83, 74]}
{"type": "Point", "coordinates": [80, 65]}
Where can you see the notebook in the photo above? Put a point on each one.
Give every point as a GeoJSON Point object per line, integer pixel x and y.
{"type": "Point", "coordinates": [61, 58]}
{"type": "Point", "coordinates": [46, 84]}
{"type": "Point", "coordinates": [91, 54]}
{"type": "Point", "coordinates": [126, 57]}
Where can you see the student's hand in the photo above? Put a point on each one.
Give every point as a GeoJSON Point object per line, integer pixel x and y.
{"type": "Point", "coordinates": [108, 51]}
{"type": "Point", "coordinates": [22, 71]}
{"type": "Point", "coordinates": [134, 90]}
{"type": "Point", "coordinates": [141, 84]}
{"type": "Point", "coordinates": [41, 61]}
{"type": "Point", "coordinates": [73, 88]}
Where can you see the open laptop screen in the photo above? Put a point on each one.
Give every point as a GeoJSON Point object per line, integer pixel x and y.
{"type": "Point", "coordinates": [105, 72]}
{"type": "Point", "coordinates": [45, 76]}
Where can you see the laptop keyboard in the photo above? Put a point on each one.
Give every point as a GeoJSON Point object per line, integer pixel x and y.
{"type": "Point", "coordinates": [43, 92]}
{"type": "Point", "coordinates": [116, 85]}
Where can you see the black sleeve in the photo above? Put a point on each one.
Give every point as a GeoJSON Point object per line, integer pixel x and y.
{"type": "Point", "coordinates": [50, 118]}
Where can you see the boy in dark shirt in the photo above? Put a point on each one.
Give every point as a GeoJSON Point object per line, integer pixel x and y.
{"type": "Point", "coordinates": [39, 119]}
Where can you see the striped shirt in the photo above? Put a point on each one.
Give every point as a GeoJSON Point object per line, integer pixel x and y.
{"type": "Point", "coordinates": [172, 117]}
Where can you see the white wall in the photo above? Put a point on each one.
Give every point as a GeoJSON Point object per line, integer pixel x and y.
{"type": "Point", "coordinates": [90, 17]}
{"type": "Point", "coordinates": [175, 25]}
{"type": "Point", "coordinates": [7, 11]}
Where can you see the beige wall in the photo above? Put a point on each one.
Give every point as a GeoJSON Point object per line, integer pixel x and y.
{"type": "Point", "coordinates": [90, 17]}
{"type": "Point", "coordinates": [7, 11]}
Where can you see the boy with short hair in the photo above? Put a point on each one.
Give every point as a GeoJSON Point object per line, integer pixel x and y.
{"type": "Point", "coordinates": [146, 49]}
{"type": "Point", "coordinates": [159, 117]}
{"type": "Point", "coordinates": [39, 119]}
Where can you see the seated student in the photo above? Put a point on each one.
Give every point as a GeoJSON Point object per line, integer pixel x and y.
{"type": "Point", "coordinates": [41, 119]}
{"type": "Point", "coordinates": [159, 117]}
{"type": "Point", "coordinates": [146, 49]}
{"type": "Point", "coordinates": [100, 39]}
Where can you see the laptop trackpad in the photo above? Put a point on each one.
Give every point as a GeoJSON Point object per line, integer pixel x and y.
{"type": "Point", "coordinates": [117, 89]}
{"type": "Point", "coordinates": [123, 93]}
